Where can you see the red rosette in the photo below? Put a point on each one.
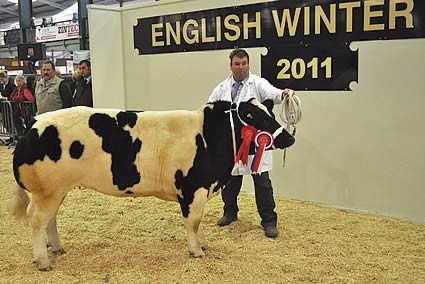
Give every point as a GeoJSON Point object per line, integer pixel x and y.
{"type": "Point", "coordinates": [263, 140]}
{"type": "Point", "coordinates": [248, 132]}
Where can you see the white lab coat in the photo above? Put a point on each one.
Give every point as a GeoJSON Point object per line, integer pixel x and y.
{"type": "Point", "coordinates": [252, 87]}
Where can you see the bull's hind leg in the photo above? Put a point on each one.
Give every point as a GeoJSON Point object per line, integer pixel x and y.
{"type": "Point", "coordinates": [43, 209]}
{"type": "Point", "coordinates": [52, 234]}
{"type": "Point", "coordinates": [201, 238]}
{"type": "Point", "coordinates": [193, 220]}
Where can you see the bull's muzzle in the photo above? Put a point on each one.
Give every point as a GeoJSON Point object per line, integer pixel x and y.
{"type": "Point", "coordinates": [282, 139]}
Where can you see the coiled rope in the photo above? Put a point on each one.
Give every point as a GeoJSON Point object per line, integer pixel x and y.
{"type": "Point", "coordinates": [290, 114]}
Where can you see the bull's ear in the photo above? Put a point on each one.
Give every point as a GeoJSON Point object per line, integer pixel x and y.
{"type": "Point", "coordinates": [219, 105]}
{"type": "Point", "coordinates": [245, 111]}
{"type": "Point", "coordinates": [269, 104]}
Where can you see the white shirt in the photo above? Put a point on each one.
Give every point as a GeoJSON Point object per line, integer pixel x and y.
{"type": "Point", "coordinates": [252, 87]}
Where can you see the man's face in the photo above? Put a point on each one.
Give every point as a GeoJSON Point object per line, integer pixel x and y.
{"type": "Point", "coordinates": [4, 81]}
{"type": "Point", "coordinates": [84, 70]}
{"type": "Point", "coordinates": [240, 68]}
{"type": "Point", "coordinates": [47, 72]}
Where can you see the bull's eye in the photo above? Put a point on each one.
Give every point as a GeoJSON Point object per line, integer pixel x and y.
{"type": "Point", "coordinates": [249, 116]}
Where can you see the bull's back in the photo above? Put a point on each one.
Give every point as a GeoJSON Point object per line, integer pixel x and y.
{"type": "Point", "coordinates": [115, 152]}
{"type": "Point", "coordinates": [168, 146]}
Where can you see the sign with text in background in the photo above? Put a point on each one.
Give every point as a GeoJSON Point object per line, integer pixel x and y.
{"type": "Point", "coordinates": [307, 41]}
{"type": "Point", "coordinates": [57, 32]}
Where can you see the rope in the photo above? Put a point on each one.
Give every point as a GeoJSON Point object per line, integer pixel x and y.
{"type": "Point", "coordinates": [290, 114]}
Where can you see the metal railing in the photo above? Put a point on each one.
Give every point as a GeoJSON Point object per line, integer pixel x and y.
{"type": "Point", "coordinates": [14, 118]}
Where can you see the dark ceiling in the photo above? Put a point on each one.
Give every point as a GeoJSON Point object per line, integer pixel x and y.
{"type": "Point", "coordinates": [41, 8]}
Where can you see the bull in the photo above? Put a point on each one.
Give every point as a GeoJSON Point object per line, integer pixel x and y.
{"type": "Point", "coordinates": [183, 156]}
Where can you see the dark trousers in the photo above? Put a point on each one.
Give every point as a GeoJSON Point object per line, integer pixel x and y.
{"type": "Point", "coordinates": [263, 198]}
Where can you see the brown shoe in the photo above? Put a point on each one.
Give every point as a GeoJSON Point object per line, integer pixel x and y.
{"type": "Point", "coordinates": [225, 220]}
{"type": "Point", "coordinates": [271, 232]}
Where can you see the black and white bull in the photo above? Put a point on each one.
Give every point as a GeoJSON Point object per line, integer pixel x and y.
{"type": "Point", "coordinates": [184, 156]}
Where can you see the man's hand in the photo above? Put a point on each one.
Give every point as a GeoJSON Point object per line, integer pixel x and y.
{"type": "Point", "coordinates": [287, 92]}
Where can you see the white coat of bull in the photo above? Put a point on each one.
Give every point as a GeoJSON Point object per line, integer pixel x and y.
{"type": "Point", "coordinates": [182, 156]}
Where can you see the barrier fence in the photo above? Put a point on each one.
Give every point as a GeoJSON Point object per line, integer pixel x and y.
{"type": "Point", "coordinates": [14, 117]}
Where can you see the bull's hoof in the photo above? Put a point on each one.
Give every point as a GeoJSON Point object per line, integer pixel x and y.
{"type": "Point", "coordinates": [47, 268]}
{"type": "Point", "coordinates": [44, 266]}
{"type": "Point", "coordinates": [199, 254]}
{"type": "Point", "coordinates": [58, 252]}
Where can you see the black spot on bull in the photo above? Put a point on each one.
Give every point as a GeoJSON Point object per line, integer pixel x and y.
{"type": "Point", "coordinates": [32, 148]}
{"type": "Point", "coordinates": [198, 176]}
{"type": "Point", "coordinates": [118, 142]}
{"type": "Point", "coordinates": [76, 150]}
{"type": "Point", "coordinates": [125, 118]}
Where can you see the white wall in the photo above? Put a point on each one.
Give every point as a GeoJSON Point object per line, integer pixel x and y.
{"type": "Point", "coordinates": [364, 150]}
{"type": "Point", "coordinates": [361, 150]}
{"type": "Point", "coordinates": [106, 54]}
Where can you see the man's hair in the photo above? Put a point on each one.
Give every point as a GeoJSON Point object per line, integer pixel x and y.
{"type": "Point", "coordinates": [3, 75]}
{"type": "Point", "coordinates": [239, 52]}
{"type": "Point", "coordinates": [49, 62]}
{"type": "Point", "coordinates": [85, 61]}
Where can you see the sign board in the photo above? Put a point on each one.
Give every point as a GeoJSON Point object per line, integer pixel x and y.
{"type": "Point", "coordinates": [60, 31]}
{"type": "Point", "coordinates": [307, 41]}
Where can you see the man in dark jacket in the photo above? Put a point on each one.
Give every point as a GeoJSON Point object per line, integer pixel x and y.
{"type": "Point", "coordinates": [6, 89]}
{"type": "Point", "coordinates": [83, 95]}
{"type": "Point", "coordinates": [6, 85]}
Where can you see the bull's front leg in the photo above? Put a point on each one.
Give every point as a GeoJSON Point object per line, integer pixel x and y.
{"type": "Point", "coordinates": [192, 205]}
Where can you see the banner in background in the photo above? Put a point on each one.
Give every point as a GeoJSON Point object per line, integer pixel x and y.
{"type": "Point", "coordinates": [79, 55]}
{"type": "Point", "coordinates": [307, 41]}
{"type": "Point", "coordinates": [57, 32]}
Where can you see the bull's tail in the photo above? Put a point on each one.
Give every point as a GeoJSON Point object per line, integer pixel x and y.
{"type": "Point", "coordinates": [19, 204]}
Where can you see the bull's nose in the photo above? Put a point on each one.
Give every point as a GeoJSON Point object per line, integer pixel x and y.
{"type": "Point", "coordinates": [284, 140]}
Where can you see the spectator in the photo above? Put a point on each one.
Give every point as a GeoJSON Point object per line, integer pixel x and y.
{"type": "Point", "coordinates": [6, 89]}
{"type": "Point", "coordinates": [58, 73]}
{"type": "Point", "coordinates": [32, 23]}
{"type": "Point", "coordinates": [74, 78]}
{"type": "Point", "coordinates": [51, 93]}
{"type": "Point", "coordinates": [43, 22]}
{"type": "Point", "coordinates": [20, 94]}
{"type": "Point", "coordinates": [31, 84]}
{"type": "Point", "coordinates": [83, 92]}
{"type": "Point", "coordinates": [6, 85]}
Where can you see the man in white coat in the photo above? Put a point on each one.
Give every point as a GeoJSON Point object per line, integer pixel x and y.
{"type": "Point", "coordinates": [238, 87]}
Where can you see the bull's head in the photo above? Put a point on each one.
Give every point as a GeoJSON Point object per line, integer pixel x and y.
{"type": "Point", "coordinates": [256, 114]}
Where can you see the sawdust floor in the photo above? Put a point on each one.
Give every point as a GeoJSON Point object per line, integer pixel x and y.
{"type": "Point", "coordinates": [125, 240]}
